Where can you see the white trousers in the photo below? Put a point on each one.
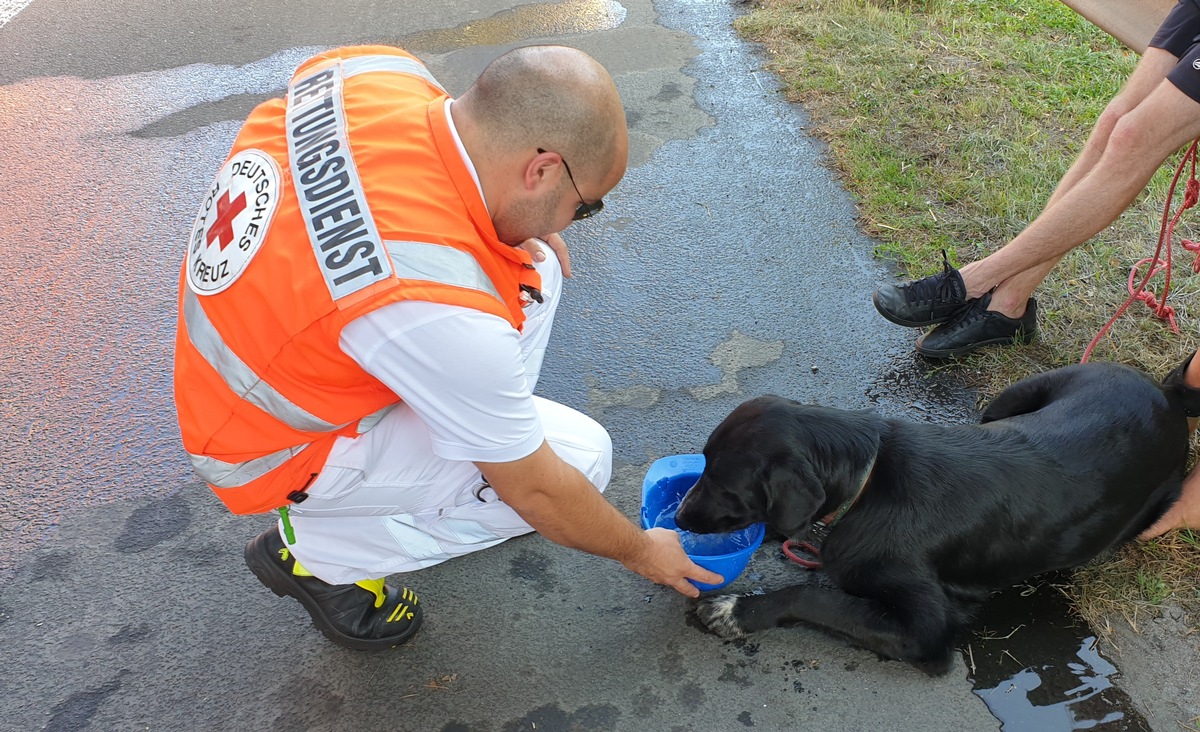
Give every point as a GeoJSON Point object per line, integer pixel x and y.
{"type": "Point", "coordinates": [384, 503]}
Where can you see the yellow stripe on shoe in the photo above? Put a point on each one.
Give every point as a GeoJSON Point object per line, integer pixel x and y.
{"type": "Point", "coordinates": [400, 613]}
{"type": "Point", "coordinates": [374, 586]}
{"type": "Point", "coordinates": [297, 569]}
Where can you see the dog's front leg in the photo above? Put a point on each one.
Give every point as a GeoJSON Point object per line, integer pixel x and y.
{"type": "Point", "coordinates": [869, 623]}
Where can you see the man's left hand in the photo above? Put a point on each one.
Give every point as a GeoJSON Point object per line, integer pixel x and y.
{"type": "Point", "coordinates": [556, 244]}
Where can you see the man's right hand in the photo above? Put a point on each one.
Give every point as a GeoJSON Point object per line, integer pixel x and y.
{"type": "Point", "coordinates": [664, 562]}
{"type": "Point", "coordinates": [555, 498]}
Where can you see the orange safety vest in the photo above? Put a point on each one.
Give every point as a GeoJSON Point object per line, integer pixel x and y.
{"type": "Point", "coordinates": [285, 251]}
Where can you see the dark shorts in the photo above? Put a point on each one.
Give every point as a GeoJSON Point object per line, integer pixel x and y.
{"type": "Point", "coordinates": [1179, 35]}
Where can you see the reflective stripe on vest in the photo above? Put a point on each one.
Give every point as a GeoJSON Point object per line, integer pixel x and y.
{"type": "Point", "coordinates": [415, 260]}
{"type": "Point", "coordinates": [363, 64]}
{"type": "Point", "coordinates": [367, 423]}
{"type": "Point", "coordinates": [239, 377]}
{"type": "Point", "coordinates": [330, 194]}
{"type": "Point", "coordinates": [233, 475]}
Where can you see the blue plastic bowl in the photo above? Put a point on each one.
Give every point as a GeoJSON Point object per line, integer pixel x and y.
{"type": "Point", "coordinates": [666, 483]}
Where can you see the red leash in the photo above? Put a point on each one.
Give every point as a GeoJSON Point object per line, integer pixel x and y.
{"type": "Point", "coordinates": [806, 546]}
{"type": "Point", "coordinates": [1165, 234]}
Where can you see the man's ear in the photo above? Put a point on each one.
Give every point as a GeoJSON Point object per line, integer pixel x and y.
{"type": "Point", "coordinates": [794, 494]}
{"type": "Point", "coordinates": [543, 170]}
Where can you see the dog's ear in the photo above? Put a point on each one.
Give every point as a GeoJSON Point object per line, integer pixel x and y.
{"type": "Point", "coordinates": [794, 495]}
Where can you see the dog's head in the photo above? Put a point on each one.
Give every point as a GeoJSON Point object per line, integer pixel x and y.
{"type": "Point", "coordinates": [779, 461]}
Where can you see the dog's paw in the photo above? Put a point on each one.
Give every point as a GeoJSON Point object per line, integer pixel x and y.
{"type": "Point", "coordinates": [717, 614]}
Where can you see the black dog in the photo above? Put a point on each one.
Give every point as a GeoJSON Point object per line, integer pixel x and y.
{"type": "Point", "coordinates": [1064, 466]}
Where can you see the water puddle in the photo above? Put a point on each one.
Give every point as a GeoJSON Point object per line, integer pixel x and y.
{"type": "Point", "coordinates": [522, 23]}
{"type": "Point", "coordinates": [1038, 668]}
{"type": "Point", "coordinates": [911, 388]}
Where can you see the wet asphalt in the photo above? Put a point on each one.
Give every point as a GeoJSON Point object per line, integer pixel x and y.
{"type": "Point", "coordinates": [727, 264]}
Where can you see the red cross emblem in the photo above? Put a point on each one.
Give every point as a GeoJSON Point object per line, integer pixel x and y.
{"type": "Point", "coordinates": [227, 211]}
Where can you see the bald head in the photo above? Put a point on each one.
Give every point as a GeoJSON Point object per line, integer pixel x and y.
{"type": "Point", "coordinates": [552, 97]}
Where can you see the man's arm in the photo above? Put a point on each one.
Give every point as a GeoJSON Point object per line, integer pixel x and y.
{"type": "Point", "coordinates": [462, 373]}
{"type": "Point", "coordinates": [558, 501]}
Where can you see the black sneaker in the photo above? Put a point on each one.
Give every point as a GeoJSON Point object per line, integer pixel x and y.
{"type": "Point", "coordinates": [365, 615]}
{"type": "Point", "coordinates": [977, 326]}
{"type": "Point", "coordinates": [927, 301]}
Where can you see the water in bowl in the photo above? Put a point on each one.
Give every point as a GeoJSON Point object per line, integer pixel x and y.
{"type": "Point", "coordinates": [704, 545]}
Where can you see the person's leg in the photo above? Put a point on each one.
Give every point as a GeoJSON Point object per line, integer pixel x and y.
{"type": "Point", "coordinates": [1174, 40]}
{"type": "Point", "coordinates": [1012, 290]}
{"type": "Point", "coordinates": [385, 503]}
{"type": "Point", "coordinates": [1136, 147]}
{"type": "Point", "coordinates": [944, 296]}
{"type": "Point", "coordinates": [1138, 144]}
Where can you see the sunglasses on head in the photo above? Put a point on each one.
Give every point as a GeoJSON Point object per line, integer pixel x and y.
{"type": "Point", "coordinates": [584, 210]}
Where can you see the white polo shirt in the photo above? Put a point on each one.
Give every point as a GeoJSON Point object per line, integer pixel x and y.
{"type": "Point", "coordinates": [460, 370]}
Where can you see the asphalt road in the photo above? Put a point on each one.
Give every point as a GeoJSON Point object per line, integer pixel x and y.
{"type": "Point", "coordinates": [727, 264]}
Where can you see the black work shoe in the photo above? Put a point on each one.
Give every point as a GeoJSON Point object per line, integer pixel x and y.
{"type": "Point", "coordinates": [977, 326]}
{"type": "Point", "coordinates": [925, 302]}
{"type": "Point", "coordinates": [365, 615]}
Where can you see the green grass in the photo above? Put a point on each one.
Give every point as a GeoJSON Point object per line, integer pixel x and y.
{"type": "Point", "coordinates": [954, 120]}
{"type": "Point", "coordinates": [951, 122]}
{"type": "Point", "coordinates": [1153, 587]}
{"type": "Point", "coordinates": [1140, 578]}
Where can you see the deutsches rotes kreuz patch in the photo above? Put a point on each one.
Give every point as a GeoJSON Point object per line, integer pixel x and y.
{"type": "Point", "coordinates": [232, 221]}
